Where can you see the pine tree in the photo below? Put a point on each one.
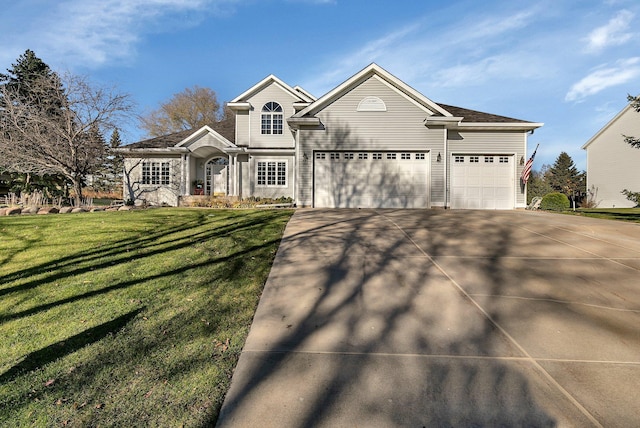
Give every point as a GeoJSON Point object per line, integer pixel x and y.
{"type": "Point", "coordinates": [565, 178]}
{"type": "Point", "coordinates": [24, 82]}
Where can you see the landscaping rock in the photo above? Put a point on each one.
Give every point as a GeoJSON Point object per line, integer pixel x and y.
{"type": "Point", "coordinates": [48, 210]}
{"type": "Point", "coordinates": [126, 208]}
{"type": "Point", "coordinates": [78, 210]}
{"type": "Point", "coordinates": [3, 211]}
{"type": "Point", "coordinates": [96, 209]}
{"type": "Point", "coordinates": [13, 211]}
{"type": "Point", "coordinates": [112, 209]}
{"type": "Point", "coordinates": [30, 210]}
{"type": "Point", "coordinates": [65, 210]}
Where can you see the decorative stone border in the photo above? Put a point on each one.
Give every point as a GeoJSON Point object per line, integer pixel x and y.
{"type": "Point", "coordinates": [63, 210]}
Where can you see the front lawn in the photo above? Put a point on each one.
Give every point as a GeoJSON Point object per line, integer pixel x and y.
{"type": "Point", "coordinates": [624, 214]}
{"type": "Point", "coordinates": [131, 318]}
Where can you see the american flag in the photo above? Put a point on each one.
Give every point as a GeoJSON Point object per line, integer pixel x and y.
{"type": "Point", "coordinates": [526, 172]}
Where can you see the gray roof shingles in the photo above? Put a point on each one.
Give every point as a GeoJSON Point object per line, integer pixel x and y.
{"type": "Point", "coordinates": [226, 129]}
{"type": "Point", "coordinates": [478, 116]}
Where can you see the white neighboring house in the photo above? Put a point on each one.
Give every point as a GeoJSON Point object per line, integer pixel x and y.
{"type": "Point", "coordinates": [612, 164]}
{"type": "Point", "coordinates": [372, 142]}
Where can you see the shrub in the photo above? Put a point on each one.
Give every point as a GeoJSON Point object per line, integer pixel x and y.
{"type": "Point", "coordinates": [632, 196]}
{"type": "Point", "coordinates": [555, 202]}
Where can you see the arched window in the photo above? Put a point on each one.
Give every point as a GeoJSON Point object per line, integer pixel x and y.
{"type": "Point", "coordinates": [272, 118]}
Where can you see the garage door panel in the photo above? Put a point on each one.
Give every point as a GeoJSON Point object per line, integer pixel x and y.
{"type": "Point", "coordinates": [482, 181]}
{"type": "Point", "coordinates": [370, 183]}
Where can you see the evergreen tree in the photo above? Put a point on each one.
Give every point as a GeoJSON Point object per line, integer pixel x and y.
{"type": "Point", "coordinates": [109, 176]}
{"type": "Point", "coordinates": [23, 84]}
{"type": "Point", "coordinates": [23, 81]}
{"type": "Point", "coordinates": [538, 184]}
{"type": "Point", "coordinates": [565, 178]}
{"type": "Point", "coordinates": [635, 104]}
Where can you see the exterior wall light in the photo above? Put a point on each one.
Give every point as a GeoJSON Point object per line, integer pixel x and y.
{"type": "Point", "coordinates": [439, 157]}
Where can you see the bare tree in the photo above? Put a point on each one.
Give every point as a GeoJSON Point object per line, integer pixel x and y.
{"type": "Point", "coordinates": [67, 143]}
{"type": "Point", "coordinates": [190, 109]}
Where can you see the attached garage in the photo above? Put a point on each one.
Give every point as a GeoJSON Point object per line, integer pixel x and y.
{"type": "Point", "coordinates": [371, 179]}
{"type": "Point", "coordinates": [482, 181]}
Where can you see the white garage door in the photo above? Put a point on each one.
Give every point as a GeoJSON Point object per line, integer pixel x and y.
{"type": "Point", "coordinates": [482, 182]}
{"type": "Point", "coordinates": [371, 179]}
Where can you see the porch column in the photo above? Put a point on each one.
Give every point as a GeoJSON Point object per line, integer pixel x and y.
{"type": "Point", "coordinates": [187, 175]}
{"type": "Point", "coordinates": [233, 174]}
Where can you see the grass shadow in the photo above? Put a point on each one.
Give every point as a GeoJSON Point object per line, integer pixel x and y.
{"type": "Point", "coordinates": [62, 348]}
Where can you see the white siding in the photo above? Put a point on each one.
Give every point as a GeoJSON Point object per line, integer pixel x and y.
{"type": "Point", "coordinates": [243, 129]}
{"type": "Point", "coordinates": [274, 191]}
{"type": "Point", "coordinates": [154, 194]}
{"type": "Point", "coordinates": [401, 127]}
{"type": "Point", "coordinates": [612, 164]}
{"type": "Point", "coordinates": [275, 93]}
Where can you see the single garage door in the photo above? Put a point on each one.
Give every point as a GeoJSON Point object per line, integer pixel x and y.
{"type": "Point", "coordinates": [482, 182]}
{"type": "Point", "coordinates": [371, 179]}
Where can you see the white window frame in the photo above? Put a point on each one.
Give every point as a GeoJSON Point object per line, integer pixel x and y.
{"type": "Point", "coordinates": [272, 119]}
{"type": "Point", "coordinates": [156, 173]}
{"type": "Point", "coordinates": [273, 175]}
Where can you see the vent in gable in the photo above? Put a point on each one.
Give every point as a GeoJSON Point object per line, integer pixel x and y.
{"type": "Point", "coordinates": [372, 104]}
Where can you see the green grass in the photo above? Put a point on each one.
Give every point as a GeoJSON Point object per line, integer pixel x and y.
{"type": "Point", "coordinates": [127, 318]}
{"type": "Point", "coordinates": [624, 214]}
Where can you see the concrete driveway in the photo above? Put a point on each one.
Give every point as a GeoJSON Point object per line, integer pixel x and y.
{"type": "Point", "coordinates": [382, 318]}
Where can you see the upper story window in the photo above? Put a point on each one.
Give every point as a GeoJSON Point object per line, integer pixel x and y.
{"type": "Point", "coordinates": [272, 118]}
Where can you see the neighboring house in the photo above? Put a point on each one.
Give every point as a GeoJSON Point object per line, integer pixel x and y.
{"type": "Point", "coordinates": [612, 164]}
{"type": "Point", "coordinates": [373, 141]}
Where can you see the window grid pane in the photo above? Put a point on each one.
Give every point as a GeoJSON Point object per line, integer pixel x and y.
{"type": "Point", "coordinates": [164, 178]}
{"type": "Point", "coordinates": [282, 174]}
{"type": "Point", "coordinates": [271, 173]}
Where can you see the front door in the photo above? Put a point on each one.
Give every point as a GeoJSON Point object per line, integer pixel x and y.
{"type": "Point", "coordinates": [216, 177]}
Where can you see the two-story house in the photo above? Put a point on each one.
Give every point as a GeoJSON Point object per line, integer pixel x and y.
{"type": "Point", "coordinates": [373, 141]}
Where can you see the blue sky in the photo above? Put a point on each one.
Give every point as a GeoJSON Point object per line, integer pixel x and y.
{"type": "Point", "coordinates": [567, 63]}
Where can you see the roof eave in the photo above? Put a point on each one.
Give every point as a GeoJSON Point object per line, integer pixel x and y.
{"type": "Point", "coordinates": [153, 150]}
{"type": "Point", "coordinates": [239, 106]}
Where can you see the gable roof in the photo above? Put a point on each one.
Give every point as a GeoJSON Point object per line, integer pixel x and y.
{"type": "Point", "coordinates": [174, 139]}
{"type": "Point", "coordinates": [607, 126]}
{"type": "Point", "coordinates": [297, 92]}
{"type": "Point", "coordinates": [371, 70]}
{"type": "Point", "coordinates": [438, 114]}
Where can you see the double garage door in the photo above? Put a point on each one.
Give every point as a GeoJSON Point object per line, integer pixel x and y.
{"type": "Point", "coordinates": [482, 181]}
{"type": "Point", "coordinates": [368, 179]}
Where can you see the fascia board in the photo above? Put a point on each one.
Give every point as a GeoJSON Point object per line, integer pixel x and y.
{"type": "Point", "coordinates": [153, 151]}
{"type": "Point", "coordinates": [605, 127]}
{"type": "Point", "coordinates": [266, 82]}
{"type": "Point", "coordinates": [306, 94]}
{"type": "Point", "coordinates": [498, 126]}
{"type": "Point", "coordinates": [206, 130]}
{"type": "Point", "coordinates": [296, 122]}
{"type": "Point", "coordinates": [239, 106]}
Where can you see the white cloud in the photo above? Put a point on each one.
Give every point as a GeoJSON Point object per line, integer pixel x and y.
{"type": "Point", "coordinates": [604, 77]}
{"type": "Point", "coordinates": [614, 33]}
{"type": "Point", "coordinates": [93, 32]}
